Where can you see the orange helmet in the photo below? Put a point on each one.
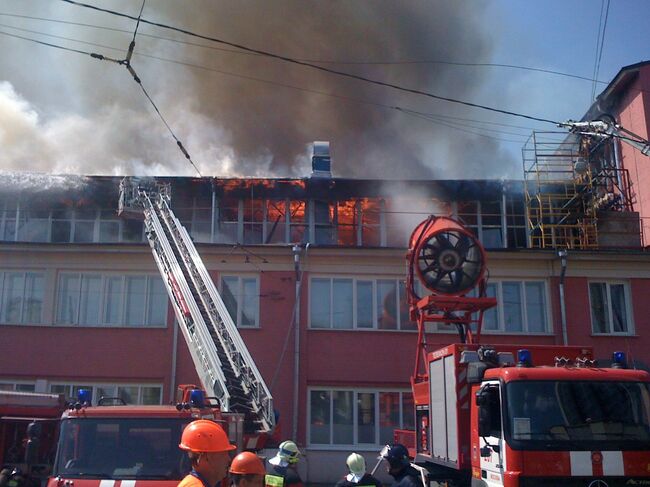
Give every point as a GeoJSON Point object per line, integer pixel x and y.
{"type": "Point", "coordinates": [247, 463]}
{"type": "Point", "coordinates": [204, 435]}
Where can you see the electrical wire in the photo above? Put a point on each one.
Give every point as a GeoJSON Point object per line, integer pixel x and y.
{"type": "Point", "coordinates": [602, 45]}
{"type": "Point", "coordinates": [423, 116]}
{"type": "Point", "coordinates": [319, 61]}
{"type": "Point", "coordinates": [316, 67]}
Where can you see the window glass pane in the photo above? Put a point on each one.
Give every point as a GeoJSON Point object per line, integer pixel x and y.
{"type": "Point", "coordinates": [61, 230]}
{"type": "Point", "coordinates": [389, 416]}
{"type": "Point", "coordinates": [25, 387]}
{"type": "Point", "coordinates": [113, 314]}
{"type": "Point", "coordinates": [408, 411]}
{"type": "Point", "coordinates": [229, 293]}
{"type": "Point", "coordinates": [104, 391]}
{"type": "Point", "coordinates": [91, 288]}
{"type": "Point", "coordinates": [319, 307]}
{"type": "Point", "coordinates": [343, 414]}
{"type": "Point", "coordinates": [491, 316]}
{"type": "Point", "coordinates": [512, 306]}
{"type": "Point", "coordinates": [619, 311]}
{"type": "Point", "coordinates": [342, 303]}
{"type": "Point", "coordinates": [109, 231]}
{"type": "Point", "coordinates": [83, 231]}
{"type": "Point", "coordinates": [151, 395]}
{"type": "Point", "coordinates": [387, 304]}
{"type": "Point", "coordinates": [12, 299]}
{"type": "Point", "coordinates": [319, 428]}
{"type": "Point", "coordinates": [33, 302]}
{"type": "Point", "coordinates": [135, 300]}
{"type": "Point", "coordinates": [364, 304]}
{"type": "Point", "coordinates": [250, 302]}
{"type": "Point", "coordinates": [128, 394]}
{"type": "Point", "coordinates": [6, 387]}
{"type": "Point", "coordinates": [131, 231]}
{"type": "Point", "coordinates": [535, 306]}
{"type": "Point", "coordinates": [599, 317]}
{"type": "Point", "coordinates": [68, 301]}
{"type": "Point", "coordinates": [60, 389]}
{"type": "Point", "coordinates": [157, 314]}
{"type": "Point", "coordinates": [33, 229]}
{"type": "Point", "coordinates": [275, 222]}
{"type": "Point", "coordinates": [366, 417]}
{"type": "Point", "coordinates": [492, 238]}
{"type": "Point", "coordinates": [405, 322]}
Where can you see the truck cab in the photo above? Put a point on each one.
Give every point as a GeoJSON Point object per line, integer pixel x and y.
{"type": "Point", "coordinates": [567, 423]}
{"type": "Point", "coordinates": [109, 443]}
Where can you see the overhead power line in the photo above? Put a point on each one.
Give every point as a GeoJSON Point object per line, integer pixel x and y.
{"type": "Point", "coordinates": [315, 66]}
{"type": "Point", "coordinates": [429, 117]}
{"type": "Point", "coordinates": [321, 61]}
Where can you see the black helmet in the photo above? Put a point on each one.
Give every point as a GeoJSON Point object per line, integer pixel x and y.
{"type": "Point", "coordinates": [397, 454]}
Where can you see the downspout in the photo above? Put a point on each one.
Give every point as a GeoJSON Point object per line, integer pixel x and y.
{"type": "Point", "coordinates": [562, 254]}
{"type": "Point", "coordinates": [296, 352]}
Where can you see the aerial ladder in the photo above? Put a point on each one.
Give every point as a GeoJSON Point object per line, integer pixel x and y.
{"type": "Point", "coordinates": [223, 363]}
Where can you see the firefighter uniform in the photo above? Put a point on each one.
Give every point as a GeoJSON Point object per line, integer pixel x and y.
{"type": "Point", "coordinates": [281, 471]}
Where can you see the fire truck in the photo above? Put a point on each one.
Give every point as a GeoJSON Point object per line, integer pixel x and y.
{"type": "Point", "coordinates": [103, 440]}
{"type": "Point", "coordinates": [28, 426]}
{"type": "Point", "coordinates": [512, 415]}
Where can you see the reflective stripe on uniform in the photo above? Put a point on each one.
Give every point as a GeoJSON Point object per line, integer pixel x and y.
{"type": "Point", "coordinates": [273, 480]}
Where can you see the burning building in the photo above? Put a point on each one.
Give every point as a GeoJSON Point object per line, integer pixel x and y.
{"type": "Point", "coordinates": [83, 306]}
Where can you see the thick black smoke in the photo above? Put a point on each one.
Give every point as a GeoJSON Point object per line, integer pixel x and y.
{"type": "Point", "coordinates": [75, 114]}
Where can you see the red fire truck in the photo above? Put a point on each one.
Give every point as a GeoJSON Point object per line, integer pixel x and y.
{"type": "Point", "coordinates": [28, 427]}
{"type": "Point", "coordinates": [114, 442]}
{"type": "Point", "coordinates": [512, 416]}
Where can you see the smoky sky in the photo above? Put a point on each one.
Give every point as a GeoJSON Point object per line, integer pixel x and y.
{"type": "Point", "coordinates": [247, 115]}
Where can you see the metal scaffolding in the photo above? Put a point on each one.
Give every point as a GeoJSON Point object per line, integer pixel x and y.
{"type": "Point", "coordinates": [568, 180]}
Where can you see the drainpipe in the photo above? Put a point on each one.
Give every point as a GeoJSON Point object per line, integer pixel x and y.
{"type": "Point", "coordinates": [562, 254]}
{"type": "Point", "coordinates": [296, 352]}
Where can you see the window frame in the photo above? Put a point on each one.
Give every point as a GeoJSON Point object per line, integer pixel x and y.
{"type": "Point", "coordinates": [105, 277]}
{"type": "Point", "coordinates": [355, 416]}
{"type": "Point", "coordinates": [355, 315]}
{"type": "Point", "coordinates": [24, 273]}
{"type": "Point", "coordinates": [240, 289]}
{"type": "Point", "coordinates": [627, 289]}
{"type": "Point", "coordinates": [500, 308]}
{"type": "Point", "coordinates": [70, 385]}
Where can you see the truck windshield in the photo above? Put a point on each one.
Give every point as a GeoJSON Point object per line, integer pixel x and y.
{"type": "Point", "coordinates": [120, 448]}
{"type": "Point", "coordinates": [563, 414]}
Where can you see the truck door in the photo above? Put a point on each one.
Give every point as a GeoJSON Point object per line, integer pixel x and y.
{"type": "Point", "coordinates": [490, 428]}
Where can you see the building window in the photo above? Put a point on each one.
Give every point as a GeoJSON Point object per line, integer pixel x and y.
{"type": "Point", "coordinates": [115, 300]}
{"type": "Point", "coordinates": [356, 303]}
{"type": "Point", "coordinates": [610, 308]}
{"type": "Point", "coordinates": [521, 308]}
{"type": "Point", "coordinates": [147, 394]}
{"type": "Point", "coordinates": [358, 417]}
{"type": "Point", "coordinates": [21, 297]}
{"type": "Point", "coordinates": [17, 386]}
{"type": "Point", "coordinates": [241, 295]}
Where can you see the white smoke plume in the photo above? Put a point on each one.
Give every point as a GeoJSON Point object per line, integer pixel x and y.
{"type": "Point", "coordinates": [67, 113]}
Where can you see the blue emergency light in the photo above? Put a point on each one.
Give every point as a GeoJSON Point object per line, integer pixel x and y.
{"type": "Point", "coordinates": [618, 359]}
{"type": "Point", "coordinates": [85, 396]}
{"type": "Point", "coordinates": [524, 358]}
{"type": "Point", "coordinates": [197, 398]}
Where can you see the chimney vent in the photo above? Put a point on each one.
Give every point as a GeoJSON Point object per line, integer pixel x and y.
{"type": "Point", "coordinates": [321, 164]}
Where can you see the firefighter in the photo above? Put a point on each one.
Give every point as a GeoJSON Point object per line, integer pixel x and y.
{"type": "Point", "coordinates": [357, 476]}
{"type": "Point", "coordinates": [208, 449]}
{"type": "Point", "coordinates": [399, 467]}
{"type": "Point", "coordinates": [281, 470]}
{"type": "Point", "coordinates": [247, 470]}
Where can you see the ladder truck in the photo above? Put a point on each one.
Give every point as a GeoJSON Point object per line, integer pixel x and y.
{"type": "Point", "coordinates": [511, 415]}
{"type": "Point", "coordinates": [114, 442]}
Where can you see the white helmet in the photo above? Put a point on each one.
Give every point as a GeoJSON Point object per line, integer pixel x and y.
{"type": "Point", "coordinates": [357, 464]}
{"type": "Point", "coordinates": [287, 454]}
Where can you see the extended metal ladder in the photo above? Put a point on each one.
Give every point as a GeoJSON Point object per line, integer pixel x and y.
{"type": "Point", "coordinates": [222, 361]}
